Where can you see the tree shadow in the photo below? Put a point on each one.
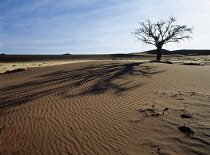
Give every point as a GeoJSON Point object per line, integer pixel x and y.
{"type": "Point", "coordinates": [69, 83]}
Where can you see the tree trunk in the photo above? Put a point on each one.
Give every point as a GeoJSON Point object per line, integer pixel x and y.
{"type": "Point", "coordinates": [159, 52]}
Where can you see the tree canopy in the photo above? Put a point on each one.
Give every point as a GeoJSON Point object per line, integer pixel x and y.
{"type": "Point", "coordinates": [162, 32]}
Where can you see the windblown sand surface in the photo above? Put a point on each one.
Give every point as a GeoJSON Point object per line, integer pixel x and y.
{"type": "Point", "coordinates": [107, 107]}
{"type": "Point", "coordinates": [10, 66]}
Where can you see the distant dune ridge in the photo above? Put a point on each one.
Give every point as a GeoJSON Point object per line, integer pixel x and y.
{"type": "Point", "coordinates": [29, 58]}
{"type": "Point", "coordinates": [185, 52]}
{"type": "Point", "coordinates": [67, 56]}
{"type": "Point", "coordinates": [106, 107]}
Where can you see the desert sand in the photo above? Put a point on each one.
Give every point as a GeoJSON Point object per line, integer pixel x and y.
{"type": "Point", "coordinates": [11, 66]}
{"type": "Point", "coordinates": [106, 107]}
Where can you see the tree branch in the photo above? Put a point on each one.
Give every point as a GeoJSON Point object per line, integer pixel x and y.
{"type": "Point", "coordinates": [162, 32]}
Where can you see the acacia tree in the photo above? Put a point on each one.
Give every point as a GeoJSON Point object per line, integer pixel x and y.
{"type": "Point", "coordinates": [162, 32]}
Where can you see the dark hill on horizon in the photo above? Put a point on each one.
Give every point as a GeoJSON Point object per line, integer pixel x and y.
{"type": "Point", "coordinates": [29, 58]}
{"type": "Point", "coordinates": [186, 52]}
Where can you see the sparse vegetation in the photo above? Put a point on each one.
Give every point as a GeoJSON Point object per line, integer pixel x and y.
{"type": "Point", "coordinates": [193, 63]}
{"type": "Point", "coordinates": [15, 70]}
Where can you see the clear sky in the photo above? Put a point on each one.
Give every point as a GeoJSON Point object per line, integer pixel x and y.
{"type": "Point", "coordinates": [94, 26]}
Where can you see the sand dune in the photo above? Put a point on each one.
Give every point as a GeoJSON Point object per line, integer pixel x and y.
{"type": "Point", "coordinates": [106, 107]}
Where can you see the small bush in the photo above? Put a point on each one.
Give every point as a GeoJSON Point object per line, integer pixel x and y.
{"type": "Point", "coordinates": [15, 70]}
{"type": "Point", "coordinates": [193, 63]}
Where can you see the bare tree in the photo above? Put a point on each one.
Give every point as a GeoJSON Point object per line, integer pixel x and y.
{"type": "Point", "coordinates": [162, 32]}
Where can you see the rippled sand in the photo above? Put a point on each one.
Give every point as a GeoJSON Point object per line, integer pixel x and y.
{"type": "Point", "coordinates": [105, 107]}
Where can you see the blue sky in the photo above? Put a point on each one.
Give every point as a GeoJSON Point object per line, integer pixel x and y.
{"type": "Point", "coordinates": [94, 26]}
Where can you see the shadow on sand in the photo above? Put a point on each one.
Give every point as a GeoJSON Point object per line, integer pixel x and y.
{"type": "Point", "coordinates": [93, 80]}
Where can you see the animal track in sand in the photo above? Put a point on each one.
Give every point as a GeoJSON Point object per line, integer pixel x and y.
{"type": "Point", "coordinates": [152, 112]}
{"type": "Point", "coordinates": [186, 129]}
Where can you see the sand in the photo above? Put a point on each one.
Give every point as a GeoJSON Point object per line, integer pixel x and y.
{"type": "Point", "coordinates": [106, 107]}
{"type": "Point", "coordinates": [10, 66]}
{"type": "Point", "coordinates": [14, 66]}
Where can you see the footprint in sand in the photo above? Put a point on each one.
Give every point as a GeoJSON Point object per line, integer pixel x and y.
{"type": "Point", "coordinates": [186, 116]}
{"type": "Point", "coordinates": [186, 129]}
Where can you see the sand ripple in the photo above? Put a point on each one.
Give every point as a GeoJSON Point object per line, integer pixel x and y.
{"type": "Point", "coordinates": [93, 108]}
